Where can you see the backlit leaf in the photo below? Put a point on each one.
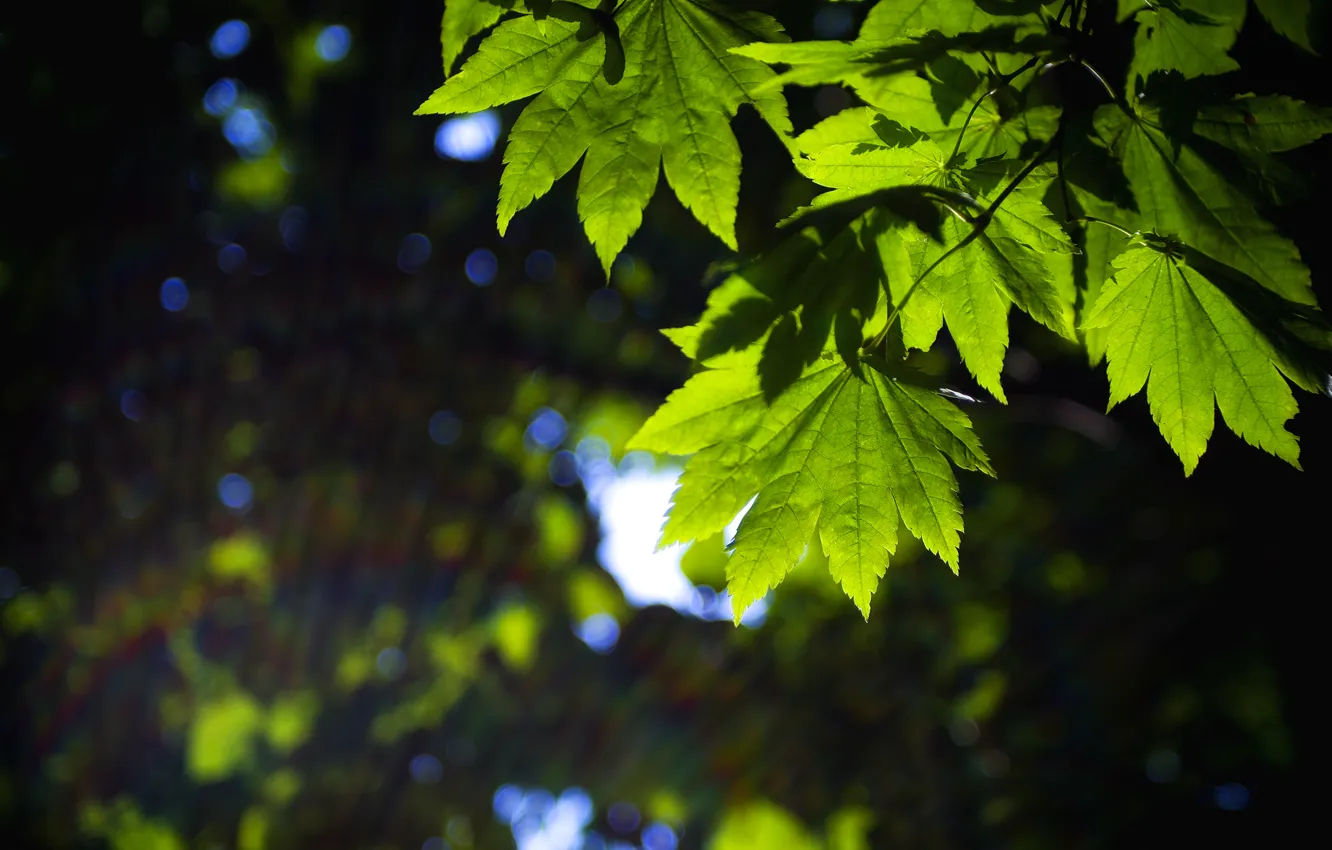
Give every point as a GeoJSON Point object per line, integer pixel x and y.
{"type": "Point", "coordinates": [1180, 193]}
{"type": "Point", "coordinates": [1170, 328]}
{"type": "Point", "coordinates": [852, 456]}
{"type": "Point", "coordinates": [1192, 37]}
{"type": "Point", "coordinates": [650, 87]}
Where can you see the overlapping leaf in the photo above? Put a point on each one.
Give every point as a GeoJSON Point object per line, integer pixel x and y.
{"type": "Point", "coordinates": [462, 20]}
{"type": "Point", "coordinates": [1180, 193]}
{"type": "Point", "coordinates": [1263, 124]}
{"type": "Point", "coordinates": [1192, 37]}
{"type": "Point", "coordinates": [1290, 18]}
{"type": "Point", "coordinates": [878, 70]}
{"type": "Point", "coordinates": [895, 19]}
{"type": "Point", "coordinates": [818, 294]}
{"type": "Point", "coordinates": [1098, 189]}
{"type": "Point", "coordinates": [1175, 331]}
{"type": "Point", "coordinates": [842, 459]}
{"type": "Point", "coordinates": [666, 105]}
{"type": "Point", "coordinates": [970, 289]}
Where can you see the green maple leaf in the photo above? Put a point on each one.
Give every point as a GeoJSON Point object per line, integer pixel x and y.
{"type": "Point", "coordinates": [1099, 245]}
{"type": "Point", "coordinates": [1290, 18]}
{"type": "Point", "coordinates": [1263, 124]}
{"type": "Point", "coordinates": [813, 287]}
{"type": "Point", "coordinates": [970, 289]}
{"type": "Point", "coordinates": [913, 101]}
{"type": "Point", "coordinates": [1192, 37]}
{"type": "Point", "coordinates": [864, 166]}
{"type": "Point", "coordinates": [899, 37]}
{"type": "Point", "coordinates": [895, 19]}
{"type": "Point", "coordinates": [1179, 192]}
{"type": "Point", "coordinates": [462, 20]}
{"type": "Point", "coordinates": [666, 105]}
{"type": "Point", "coordinates": [1175, 331]}
{"type": "Point", "coordinates": [852, 456]}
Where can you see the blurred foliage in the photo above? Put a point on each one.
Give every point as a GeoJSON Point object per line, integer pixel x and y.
{"type": "Point", "coordinates": [178, 673]}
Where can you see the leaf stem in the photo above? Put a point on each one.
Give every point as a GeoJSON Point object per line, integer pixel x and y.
{"type": "Point", "coordinates": [1097, 74]}
{"type": "Point", "coordinates": [1094, 220]}
{"type": "Point", "coordinates": [1002, 80]}
{"type": "Point", "coordinates": [961, 216]}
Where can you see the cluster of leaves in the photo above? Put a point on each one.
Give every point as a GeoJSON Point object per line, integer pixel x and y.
{"type": "Point", "coordinates": [987, 164]}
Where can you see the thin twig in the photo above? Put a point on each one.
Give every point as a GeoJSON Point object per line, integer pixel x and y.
{"type": "Point", "coordinates": [1097, 74]}
{"type": "Point", "coordinates": [1094, 220]}
{"type": "Point", "coordinates": [1002, 81]}
{"type": "Point", "coordinates": [961, 216]}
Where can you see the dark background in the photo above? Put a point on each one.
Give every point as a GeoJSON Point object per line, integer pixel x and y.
{"type": "Point", "coordinates": [1157, 638]}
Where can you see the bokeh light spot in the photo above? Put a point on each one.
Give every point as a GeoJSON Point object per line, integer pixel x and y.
{"type": "Point", "coordinates": [1163, 766]}
{"type": "Point", "coordinates": [600, 632]}
{"type": "Point", "coordinates": [755, 614]}
{"type": "Point", "coordinates": [540, 266]}
{"type": "Point", "coordinates": [235, 491]}
{"type": "Point", "coordinates": [249, 132]}
{"type": "Point", "coordinates": [964, 731]}
{"type": "Point", "coordinates": [536, 803]}
{"type": "Point", "coordinates": [221, 97]}
{"type": "Point", "coordinates": [174, 294]}
{"type": "Point", "coordinates": [293, 226]}
{"type": "Point", "coordinates": [545, 430]}
{"type": "Point", "coordinates": [623, 817]}
{"type": "Point", "coordinates": [9, 583]}
{"type": "Point", "coordinates": [445, 427]}
{"type": "Point", "coordinates": [632, 509]}
{"type": "Point", "coordinates": [993, 763]}
{"type": "Point", "coordinates": [468, 138]}
{"type": "Point", "coordinates": [506, 801]}
{"type": "Point", "coordinates": [481, 267]}
{"type": "Point", "coordinates": [459, 830]}
{"type": "Point", "coordinates": [332, 43]}
{"type": "Point", "coordinates": [576, 805]}
{"type": "Point", "coordinates": [132, 405]}
{"type": "Point", "coordinates": [564, 469]}
{"type": "Point", "coordinates": [413, 253]}
{"type": "Point", "coordinates": [230, 39]}
{"type": "Point", "coordinates": [390, 662]}
{"type": "Point", "coordinates": [1231, 797]}
{"type": "Point", "coordinates": [604, 305]}
{"type": "Point", "coordinates": [65, 479]}
{"type": "Point", "coordinates": [833, 22]}
{"type": "Point", "coordinates": [231, 258]}
{"type": "Point", "coordinates": [659, 836]}
{"type": "Point", "coordinates": [426, 769]}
